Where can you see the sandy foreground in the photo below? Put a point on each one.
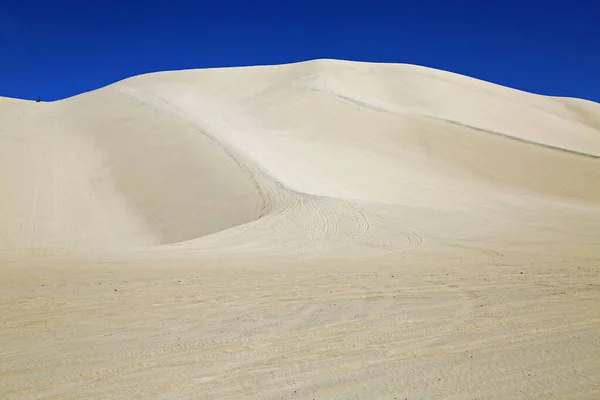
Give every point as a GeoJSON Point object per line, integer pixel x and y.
{"type": "Point", "coordinates": [319, 230]}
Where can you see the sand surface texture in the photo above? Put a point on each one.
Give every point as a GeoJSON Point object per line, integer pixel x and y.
{"type": "Point", "coordinates": [319, 230]}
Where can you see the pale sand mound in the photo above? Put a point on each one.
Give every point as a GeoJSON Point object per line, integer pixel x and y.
{"type": "Point", "coordinates": [320, 230]}
{"type": "Point", "coordinates": [105, 171]}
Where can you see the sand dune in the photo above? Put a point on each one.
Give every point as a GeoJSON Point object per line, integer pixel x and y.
{"type": "Point", "coordinates": [325, 229]}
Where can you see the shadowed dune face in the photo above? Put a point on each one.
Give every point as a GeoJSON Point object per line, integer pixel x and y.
{"type": "Point", "coordinates": [182, 183]}
{"type": "Point", "coordinates": [107, 171]}
{"type": "Point", "coordinates": [584, 111]}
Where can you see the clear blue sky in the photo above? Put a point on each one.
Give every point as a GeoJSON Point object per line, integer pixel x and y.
{"type": "Point", "coordinates": [59, 48]}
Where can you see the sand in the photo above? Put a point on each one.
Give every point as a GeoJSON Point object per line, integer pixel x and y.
{"type": "Point", "coordinates": [318, 230]}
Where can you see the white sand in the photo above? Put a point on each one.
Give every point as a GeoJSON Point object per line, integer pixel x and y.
{"type": "Point", "coordinates": [320, 230]}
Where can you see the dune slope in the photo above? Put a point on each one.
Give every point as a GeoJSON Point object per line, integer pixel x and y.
{"type": "Point", "coordinates": [172, 157]}
{"type": "Point", "coordinates": [105, 172]}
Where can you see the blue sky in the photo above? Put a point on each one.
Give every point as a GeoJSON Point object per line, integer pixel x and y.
{"type": "Point", "coordinates": [59, 48]}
